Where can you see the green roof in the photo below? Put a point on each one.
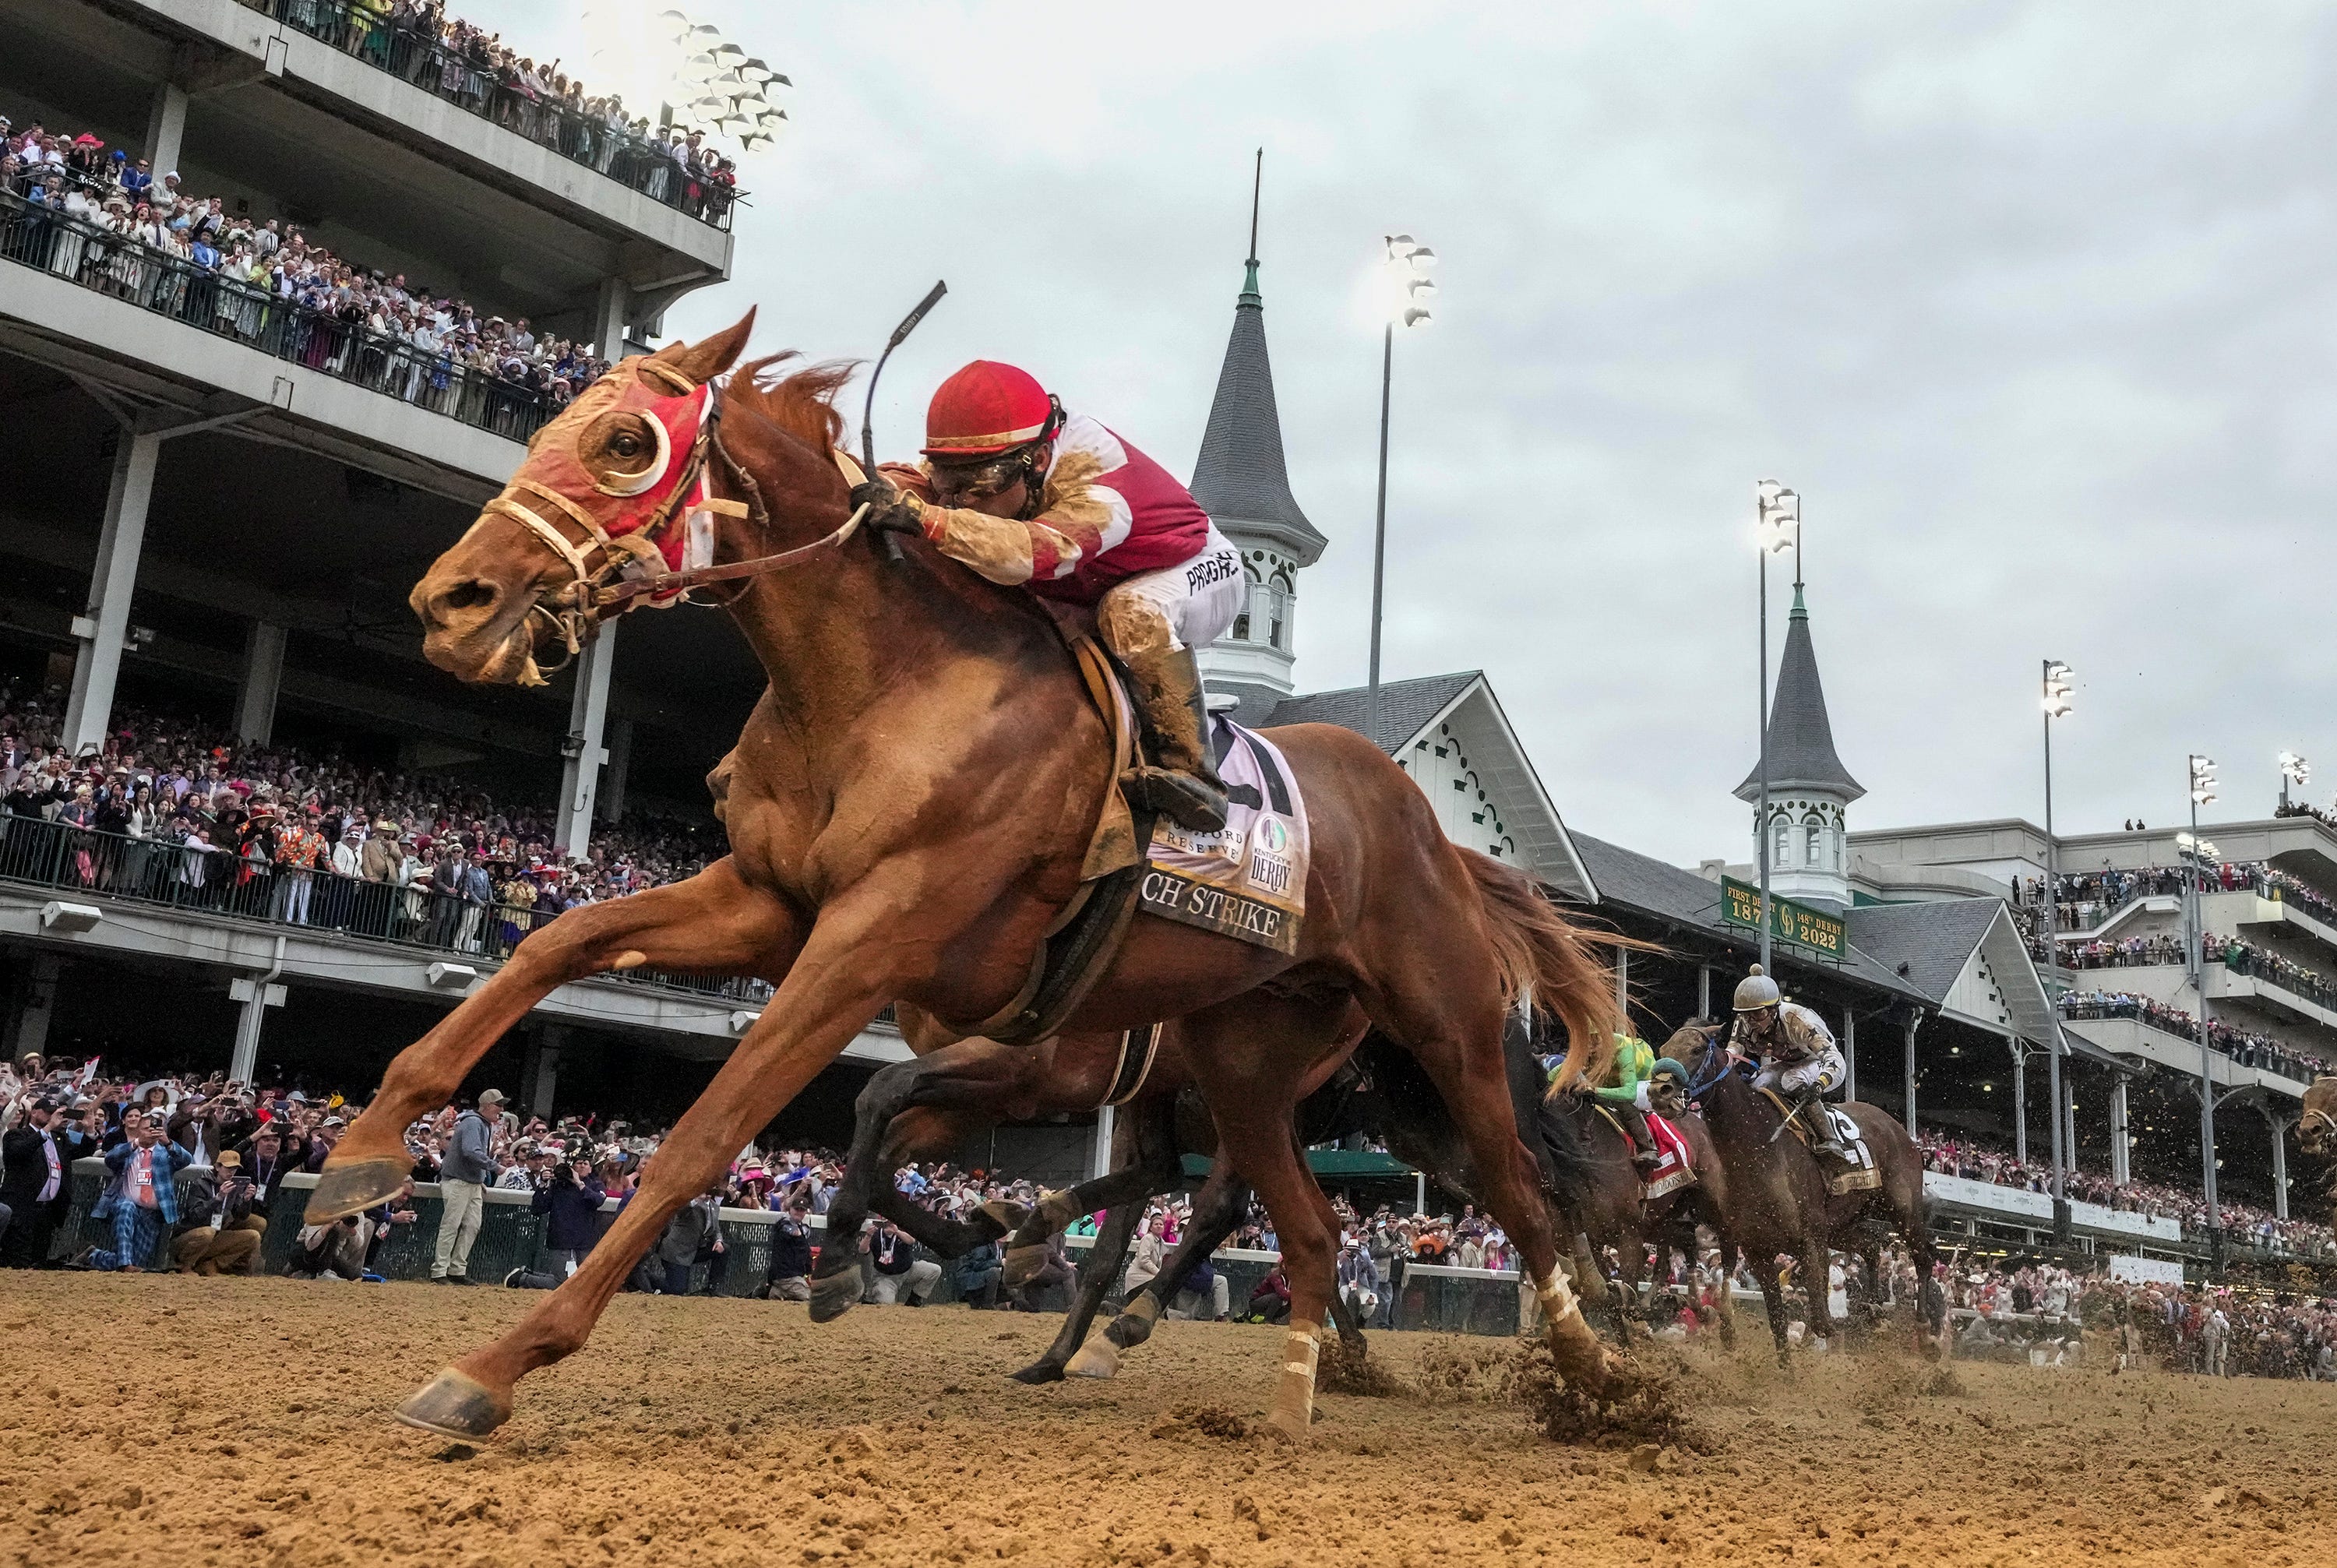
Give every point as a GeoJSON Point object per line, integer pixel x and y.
{"type": "Point", "coordinates": [1329, 1162]}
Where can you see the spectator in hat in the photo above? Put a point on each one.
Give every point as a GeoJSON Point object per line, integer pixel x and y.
{"type": "Point", "coordinates": [463, 1173]}
{"type": "Point", "coordinates": [227, 1234]}
{"type": "Point", "coordinates": [571, 1203]}
{"type": "Point", "coordinates": [789, 1278]}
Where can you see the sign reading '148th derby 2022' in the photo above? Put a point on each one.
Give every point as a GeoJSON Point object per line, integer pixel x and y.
{"type": "Point", "coordinates": [1740, 905]}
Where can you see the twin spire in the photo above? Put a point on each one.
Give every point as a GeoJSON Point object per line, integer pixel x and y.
{"type": "Point", "coordinates": [1240, 478]}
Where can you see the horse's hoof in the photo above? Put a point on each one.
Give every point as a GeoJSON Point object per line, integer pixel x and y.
{"type": "Point", "coordinates": [1129, 1330]}
{"type": "Point", "coordinates": [834, 1295]}
{"type": "Point", "coordinates": [1002, 1216]}
{"type": "Point", "coordinates": [342, 1191]}
{"type": "Point", "coordinates": [1040, 1371]}
{"type": "Point", "coordinates": [1022, 1266]}
{"type": "Point", "coordinates": [455, 1405]}
{"type": "Point", "coordinates": [1285, 1427]}
{"type": "Point", "coordinates": [1096, 1359]}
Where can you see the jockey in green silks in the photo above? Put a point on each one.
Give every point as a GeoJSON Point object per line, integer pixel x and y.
{"type": "Point", "coordinates": [1623, 1092]}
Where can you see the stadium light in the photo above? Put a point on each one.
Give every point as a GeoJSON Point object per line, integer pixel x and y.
{"type": "Point", "coordinates": [2294, 769]}
{"type": "Point", "coordinates": [1410, 289]}
{"type": "Point", "coordinates": [2203, 779]}
{"type": "Point", "coordinates": [702, 81]}
{"type": "Point", "coordinates": [2057, 689]}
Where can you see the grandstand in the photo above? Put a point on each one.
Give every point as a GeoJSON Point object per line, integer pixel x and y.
{"type": "Point", "coordinates": [221, 511]}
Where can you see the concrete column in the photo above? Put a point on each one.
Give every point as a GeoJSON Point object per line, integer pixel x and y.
{"type": "Point", "coordinates": [588, 715]}
{"type": "Point", "coordinates": [608, 319]}
{"type": "Point", "coordinates": [1099, 1150]}
{"type": "Point", "coordinates": [1623, 986]}
{"type": "Point", "coordinates": [1419, 1193]}
{"type": "Point", "coordinates": [39, 1005]}
{"type": "Point", "coordinates": [539, 1072]}
{"type": "Point", "coordinates": [1849, 1054]}
{"type": "Point", "coordinates": [2279, 1126]}
{"type": "Point", "coordinates": [612, 808]}
{"type": "Point", "coordinates": [257, 996]}
{"type": "Point", "coordinates": [1913, 1024]}
{"type": "Point", "coordinates": [2121, 1154]}
{"type": "Point", "coordinates": [1704, 990]}
{"type": "Point", "coordinates": [2069, 1113]}
{"type": "Point", "coordinates": [97, 663]}
{"type": "Point", "coordinates": [166, 127]}
{"type": "Point", "coordinates": [2020, 1100]}
{"type": "Point", "coordinates": [263, 674]}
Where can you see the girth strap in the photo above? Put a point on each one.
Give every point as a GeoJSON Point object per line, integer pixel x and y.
{"type": "Point", "coordinates": [1135, 1066]}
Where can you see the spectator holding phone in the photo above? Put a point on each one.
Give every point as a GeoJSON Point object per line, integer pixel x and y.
{"type": "Point", "coordinates": [142, 1199]}
{"type": "Point", "coordinates": [570, 1204]}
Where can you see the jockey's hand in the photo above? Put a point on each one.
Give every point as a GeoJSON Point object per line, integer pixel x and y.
{"type": "Point", "coordinates": [889, 510]}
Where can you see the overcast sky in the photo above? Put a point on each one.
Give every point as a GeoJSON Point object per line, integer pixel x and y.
{"type": "Point", "coordinates": [2032, 303]}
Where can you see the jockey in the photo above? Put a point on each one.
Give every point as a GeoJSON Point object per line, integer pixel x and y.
{"type": "Point", "coordinates": [1624, 1093]}
{"type": "Point", "coordinates": [1025, 494]}
{"type": "Point", "coordinates": [1624, 1090]}
{"type": "Point", "coordinates": [1797, 1053]}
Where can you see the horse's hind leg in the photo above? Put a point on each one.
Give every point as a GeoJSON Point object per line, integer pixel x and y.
{"type": "Point", "coordinates": [1444, 1004]}
{"type": "Point", "coordinates": [1247, 1057]}
{"type": "Point", "coordinates": [1773, 1302]}
{"type": "Point", "coordinates": [1152, 1168]}
{"type": "Point", "coordinates": [714, 923]}
{"type": "Point", "coordinates": [1217, 1209]}
{"type": "Point", "coordinates": [1103, 1266]}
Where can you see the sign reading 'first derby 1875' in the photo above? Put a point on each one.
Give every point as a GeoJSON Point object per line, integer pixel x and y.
{"type": "Point", "coordinates": [1740, 905]}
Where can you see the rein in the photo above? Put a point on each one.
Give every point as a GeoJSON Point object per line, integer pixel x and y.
{"type": "Point", "coordinates": [634, 565]}
{"type": "Point", "coordinates": [1695, 1091]}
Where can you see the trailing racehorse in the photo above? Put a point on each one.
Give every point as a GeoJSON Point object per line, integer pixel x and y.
{"type": "Point", "coordinates": [1772, 1196]}
{"type": "Point", "coordinates": [1607, 1207]}
{"type": "Point", "coordinates": [910, 809]}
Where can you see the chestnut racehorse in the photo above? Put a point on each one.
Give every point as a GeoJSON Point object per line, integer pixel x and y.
{"type": "Point", "coordinates": [909, 809]}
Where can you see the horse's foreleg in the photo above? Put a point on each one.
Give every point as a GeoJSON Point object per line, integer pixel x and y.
{"type": "Point", "coordinates": [1217, 1209]}
{"type": "Point", "coordinates": [836, 985]}
{"type": "Point", "coordinates": [1150, 1167]}
{"type": "Point", "coordinates": [1773, 1301]}
{"type": "Point", "coordinates": [713, 923]}
{"type": "Point", "coordinates": [968, 1073]}
{"type": "Point", "coordinates": [1818, 1260]}
{"type": "Point", "coordinates": [1105, 1261]}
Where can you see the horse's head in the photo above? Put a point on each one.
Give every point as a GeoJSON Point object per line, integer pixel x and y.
{"type": "Point", "coordinates": [2316, 1130]}
{"type": "Point", "coordinates": [604, 485]}
{"type": "Point", "coordinates": [1695, 1045]}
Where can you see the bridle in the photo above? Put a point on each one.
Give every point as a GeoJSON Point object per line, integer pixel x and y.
{"type": "Point", "coordinates": [1712, 1048]}
{"type": "Point", "coordinates": [635, 567]}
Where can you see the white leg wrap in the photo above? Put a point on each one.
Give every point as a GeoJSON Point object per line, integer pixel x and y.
{"type": "Point", "coordinates": [1099, 1357]}
{"type": "Point", "coordinates": [1557, 1298]}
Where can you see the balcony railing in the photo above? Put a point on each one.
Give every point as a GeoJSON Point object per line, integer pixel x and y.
{"type": "Point", "coordinates": [470, 81]}
{"type": "Point", "coordinates": [36, 235]}
{"type": "Point", "coordinates": [2260, 1052]}
{"type": "Point", "coordinates": [210, 881]}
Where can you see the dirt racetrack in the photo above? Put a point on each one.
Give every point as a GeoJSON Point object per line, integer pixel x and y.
{"type": "Point", "coordinates": [182, 1421]}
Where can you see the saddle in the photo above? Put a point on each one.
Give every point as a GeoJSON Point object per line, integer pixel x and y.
{"type": "Point", "coordinates": [1247, 881]}
{"type": "Point", "coordinates": [1674, 1170]}
{"type": "Point", "coordinates": [1860, 1174]}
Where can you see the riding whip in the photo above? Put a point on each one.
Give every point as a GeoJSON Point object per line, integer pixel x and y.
{"type": "Point", "coordinates": [867, 440]}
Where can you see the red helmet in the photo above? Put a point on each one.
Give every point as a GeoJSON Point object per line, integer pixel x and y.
{"type": "Point", "coordinates": [985, 409]}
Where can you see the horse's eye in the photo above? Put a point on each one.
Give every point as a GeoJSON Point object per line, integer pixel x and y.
{"type": "Point", "coordinates": [625, 444]}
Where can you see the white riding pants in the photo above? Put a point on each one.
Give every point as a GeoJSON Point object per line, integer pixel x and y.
{"type": "Point", "coordinates": [1194, 601]}
{"type": "Point", "coordinates": [1819, 1073]}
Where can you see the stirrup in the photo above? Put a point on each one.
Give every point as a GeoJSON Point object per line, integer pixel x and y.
{"type": "Point", "coordinates": [1183, 798]}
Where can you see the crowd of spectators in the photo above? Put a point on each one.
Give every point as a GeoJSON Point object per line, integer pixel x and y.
{"type": "Point", "coordinates": [2248, 1048]}
{"type": "Point", "coordinates": [104, 220]}
{"type": "Point", "coordinates": [180, 812]}
{"type": "Point", "coordinates": [2085, 899]}
{"type": "Point", "coordinates": [475, 70]}
{"type": "Point", "coordinates": [1976, 1160]}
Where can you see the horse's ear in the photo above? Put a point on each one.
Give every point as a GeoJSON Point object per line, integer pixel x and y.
{"type": "Point", "coordinates": [708, 357]}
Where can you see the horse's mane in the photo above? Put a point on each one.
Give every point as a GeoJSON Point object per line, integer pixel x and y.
{"type": "Point", "coordinates": [802, 402]}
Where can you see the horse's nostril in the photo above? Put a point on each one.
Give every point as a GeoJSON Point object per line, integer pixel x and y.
{"type": "Point", "coordinates": [468, 595]}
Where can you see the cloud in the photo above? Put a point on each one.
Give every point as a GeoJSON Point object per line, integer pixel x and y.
{"type": "Point", "coordinates": [2028, 300]}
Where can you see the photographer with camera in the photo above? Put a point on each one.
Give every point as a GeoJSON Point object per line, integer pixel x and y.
{"type": "Point", "coordinates": [570, 1204]}
{"type": "Point", "coordinates": [223, 1235]}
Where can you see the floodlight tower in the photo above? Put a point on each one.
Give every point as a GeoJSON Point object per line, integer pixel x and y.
{"type": "Point", "coordinates": [1406, 262]}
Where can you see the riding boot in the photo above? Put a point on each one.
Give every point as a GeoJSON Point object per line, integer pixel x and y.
{"type": "Point", "coordinates": [1644, 1151]}
{"type": "Point", "coordinates": [1820, 1123]}
{"type": "Point", "coordinates": [1181, 783]}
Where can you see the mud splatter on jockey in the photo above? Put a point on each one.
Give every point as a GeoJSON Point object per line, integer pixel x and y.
{"type": "Point", "coordinates": [1798, 1056]}
{"type": "Point", "coordinates": [1030, 495]}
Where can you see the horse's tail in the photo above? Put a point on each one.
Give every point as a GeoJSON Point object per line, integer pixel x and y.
{"type": "Point", "coordinates": [1541, 953]}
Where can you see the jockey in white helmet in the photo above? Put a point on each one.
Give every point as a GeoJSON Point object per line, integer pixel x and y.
{"type": "Point", "coordinates": [1798, 1056]}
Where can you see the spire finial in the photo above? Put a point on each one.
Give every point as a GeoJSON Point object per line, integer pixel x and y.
{"type": "Point", "coordinates": [1257, 182]}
